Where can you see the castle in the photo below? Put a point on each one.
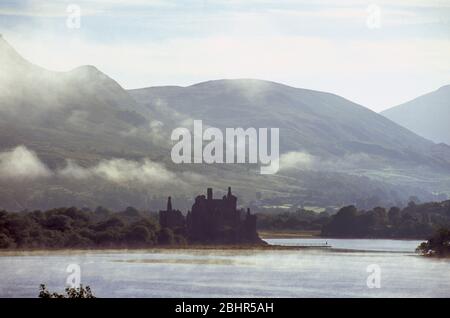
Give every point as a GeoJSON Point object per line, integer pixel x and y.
{"type": "Point", "coordinates": [213, 221]}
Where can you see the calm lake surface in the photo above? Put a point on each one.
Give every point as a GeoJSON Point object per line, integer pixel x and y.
{"type": "Point", "coordinates": [340, 271]}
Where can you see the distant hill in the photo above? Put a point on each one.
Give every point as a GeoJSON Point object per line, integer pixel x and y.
{"type": "Point", "coordinates": [427, 115]}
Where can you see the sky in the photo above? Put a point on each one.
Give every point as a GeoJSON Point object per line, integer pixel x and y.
{"type": "Point", "coordinates": [376, 53]}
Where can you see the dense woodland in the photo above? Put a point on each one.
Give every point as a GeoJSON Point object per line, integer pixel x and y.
{"type": "Point", "coordinates": [82, 228]}
{"type": "Point", "coordinates": [300, 220]}
{"type": "Point", "coordinates": [414, 221]}
{"type": "Point", "coordinates": [101, 228]}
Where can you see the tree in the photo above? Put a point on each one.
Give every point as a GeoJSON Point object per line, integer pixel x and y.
{"type": "Point", "coordinates": [5, 241]}
{"type": "Point", "coordinates": [438, 245]}
{"type": "Point", "coordinates": [166, 236]}
{"type": "Point", "coordinates": [58, 222]}
{"type": "Point", "coordinates": [343, 224]}
{"type": "Point", "coordinates": [394, 215]}
{"type": "Point", "coordinates": [139, 234]}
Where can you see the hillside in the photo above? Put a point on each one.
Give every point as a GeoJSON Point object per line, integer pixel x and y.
{"type": "Point", "coordinates": [427, 115]}
{"type": "Point", "coordinates": [319, 123]}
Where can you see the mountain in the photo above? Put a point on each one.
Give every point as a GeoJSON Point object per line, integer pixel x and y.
{"type": "Point", "coordinates": [81, 114]}
{"type": "Point", "coordinates": [325, 138]}
{"type": "Point", "coordinates": [70, 138]}
{"type": "Point", "coordinates": [78, 138]}
{"type": "Point", "coordinates": [322, 124]}
{"type": "Point", "coordinates": [427, 115]}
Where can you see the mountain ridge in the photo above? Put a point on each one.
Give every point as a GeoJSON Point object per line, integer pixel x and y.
{"type": "Point", "coordinates": [262, 88]}
{"type": "Point", "coordinates": [427, 115]}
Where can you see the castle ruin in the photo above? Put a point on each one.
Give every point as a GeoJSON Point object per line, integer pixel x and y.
{"type": "Point", "coordinates": [213, 221]}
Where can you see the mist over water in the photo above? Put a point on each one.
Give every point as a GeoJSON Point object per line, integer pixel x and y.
{"type": "Point", "coordinates": [234, 273]}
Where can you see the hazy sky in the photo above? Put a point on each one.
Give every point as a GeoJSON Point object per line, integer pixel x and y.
{"type": "Point", "coordinates": [336, 46]}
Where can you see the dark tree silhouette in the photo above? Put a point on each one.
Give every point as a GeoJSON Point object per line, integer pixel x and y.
{"type": "Point", "coordinates": [438, 245]}
{"type": "Point", "coordinates": [80, 292]}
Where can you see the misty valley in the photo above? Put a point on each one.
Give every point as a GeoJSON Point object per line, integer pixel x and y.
{"type": "Point", "coordinates": [224, 149]}
{"type": "Point", "coordinates": [341, 170]}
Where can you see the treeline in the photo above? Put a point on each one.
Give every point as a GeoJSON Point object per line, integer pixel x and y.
{"type": "Point", "coordinates": [101, 228]}
{"type": "Point", "coordinates": [301, 220]}
{"type": "Point", "coordinates": [83, 228]}
{"type": "Point", "coordinates": [414, 221]}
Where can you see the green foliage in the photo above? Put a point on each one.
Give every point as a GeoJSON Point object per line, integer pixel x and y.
{"type": "Point", "coordinates": [414, 221]}
{"type": "Point", "coordinates": [302, 220]}
{"type": "Point", "coordinates": [81, 292]}
{"type": "Point", "coordinates": [75, 228]}
{"type": "Point", "coordinates": [139, 235]}
{"type": "Point", "coordinates": [82, 228]}
{"type": "Point", "coordinates": [58, 222]}
{"type": "Point", "coordinates": [438, 245]}
{"type": "Point", "coordinates": [5, 241]}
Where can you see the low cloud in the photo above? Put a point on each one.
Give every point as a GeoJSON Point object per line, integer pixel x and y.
{"type": "Point", "coordinates": [304, 161]}
{"type": "Point", "coordinates": [22, 163]}
{"type": "Point", "coordinates": [121, 171]}
{"type": "Point", "coordinates": [296, 160]}
{"type": "Point", "coordinates": [145, 172]}
{"type": "Point", "coordinates": [154, 131]}
{"type": "Point", "coordinates": [73, 171]}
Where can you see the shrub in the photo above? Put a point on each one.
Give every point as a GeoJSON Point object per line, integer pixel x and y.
{"type": "Point", "coordinates": [81, 292]}
{"type": "Point", "coordinates": [438, 245]}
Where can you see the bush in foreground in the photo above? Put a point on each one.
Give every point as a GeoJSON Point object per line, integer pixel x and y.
{"type": "Point", "coordinates": [81, 292]}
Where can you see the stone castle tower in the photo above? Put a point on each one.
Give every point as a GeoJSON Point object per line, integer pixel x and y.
{"type": "Point", "coordinates": [171, 218]}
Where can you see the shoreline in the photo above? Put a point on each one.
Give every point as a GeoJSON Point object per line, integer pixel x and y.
{"type": "Point", "coordinates": [37, 251]}
{"type": "Point", "coordinates": [204, 247]}
{"type": "Point", "coordinates": [316, 235]}
{"type": "Point", "coordinates": [199, 249]}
